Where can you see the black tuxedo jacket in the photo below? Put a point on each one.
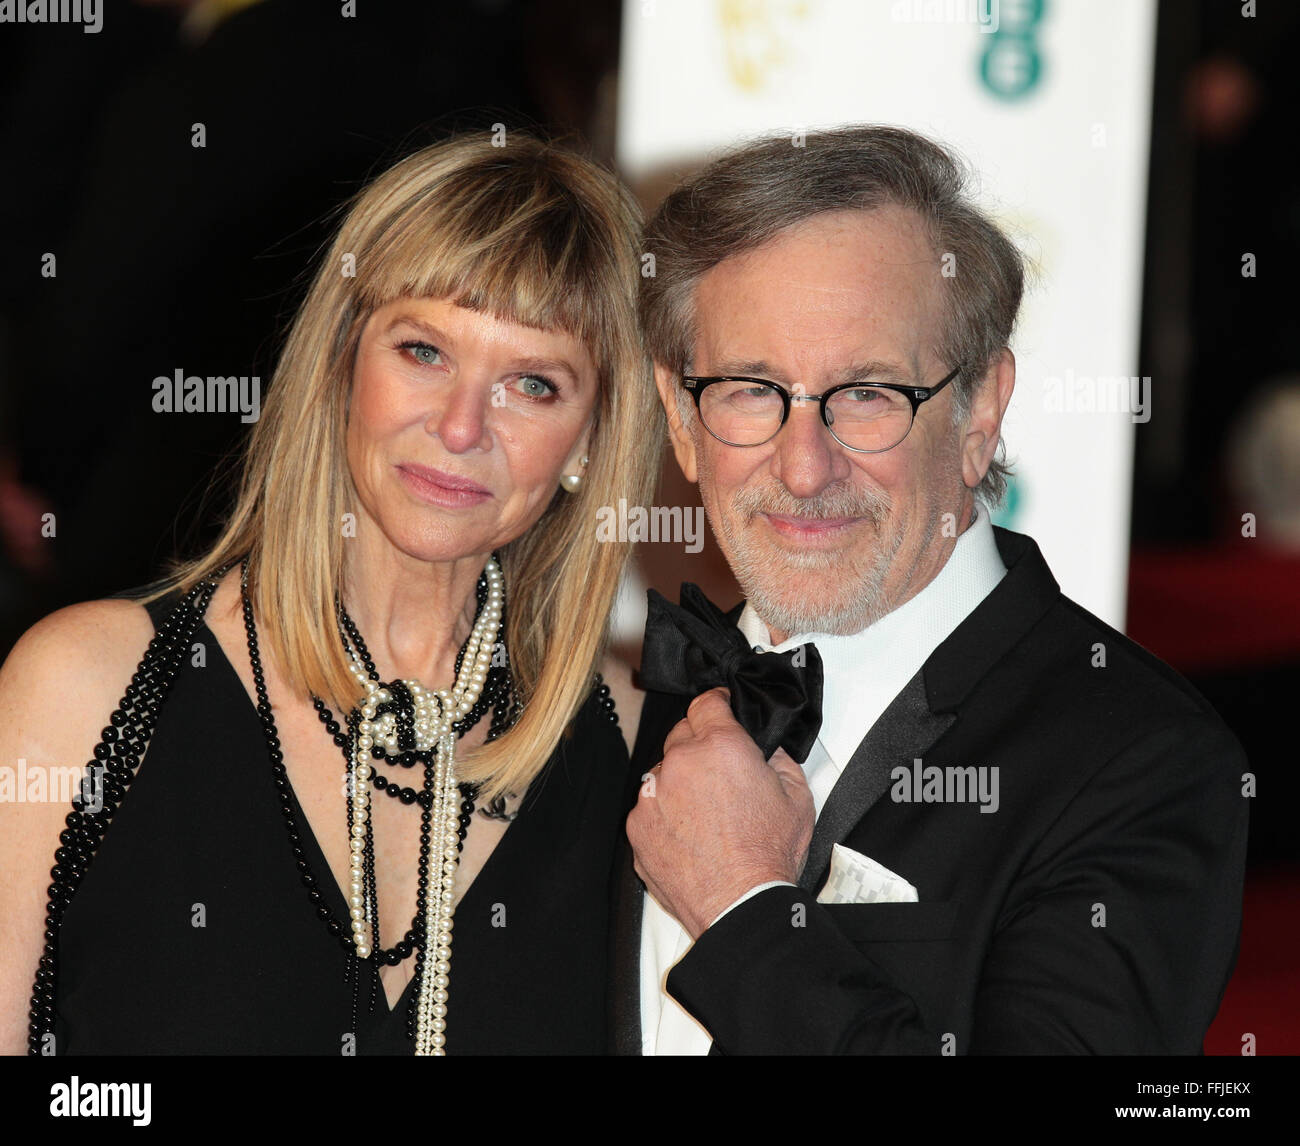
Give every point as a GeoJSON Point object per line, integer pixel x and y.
{"type": "Point", "coordinates": [1096, 911]}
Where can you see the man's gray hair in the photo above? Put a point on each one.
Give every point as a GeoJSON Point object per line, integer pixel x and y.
{"type": "Point", "coordinates": [754, 191]}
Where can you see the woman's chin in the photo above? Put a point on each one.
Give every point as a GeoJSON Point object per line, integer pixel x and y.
{"type": "Point", "coordinates": [437, 542]}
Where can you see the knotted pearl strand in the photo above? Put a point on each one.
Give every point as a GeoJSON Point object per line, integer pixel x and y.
{"type": "Point", "coordinates": [435, 714]}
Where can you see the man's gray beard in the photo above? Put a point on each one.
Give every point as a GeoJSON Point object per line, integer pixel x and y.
{"type": "Point", "coordinates": [853, 594]}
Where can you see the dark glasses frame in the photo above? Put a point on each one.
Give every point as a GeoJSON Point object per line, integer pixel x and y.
{"type": "Point", "coordinates": [696, 384]}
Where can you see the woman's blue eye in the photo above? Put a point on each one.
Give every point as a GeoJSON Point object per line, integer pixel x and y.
{"type": "Point", "coordinates": [535, 386]}
{"type": "Point", "coordinates": [423, 352]}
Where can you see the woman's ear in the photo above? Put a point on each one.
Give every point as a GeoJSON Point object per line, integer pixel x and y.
{"type": "Point", "coordinates": [680, 426]}
{"type": "Point", "coordinates": [576, 462]}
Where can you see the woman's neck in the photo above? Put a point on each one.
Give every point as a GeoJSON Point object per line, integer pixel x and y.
{"type": "Point", "coordinates": [413, 615]}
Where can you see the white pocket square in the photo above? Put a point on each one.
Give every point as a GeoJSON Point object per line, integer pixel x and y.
{"type": "Point", "coordinates": [856, 878]}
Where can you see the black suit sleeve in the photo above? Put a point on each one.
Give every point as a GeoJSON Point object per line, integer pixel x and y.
{"type": "Point", "coordinates": [1156, 839]}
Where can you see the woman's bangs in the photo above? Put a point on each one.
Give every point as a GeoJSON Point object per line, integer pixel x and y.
{"type": "Point", "coordinates": [541, 271]}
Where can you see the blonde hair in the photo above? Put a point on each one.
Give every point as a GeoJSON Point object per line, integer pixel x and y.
{"type": "Point", "coordinates": [528, 232]}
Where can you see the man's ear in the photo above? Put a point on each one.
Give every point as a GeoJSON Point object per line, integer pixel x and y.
{"type": "Point", "coordinates": [984, 426]}
{"type": "Point", "coordinates": [672, 395]}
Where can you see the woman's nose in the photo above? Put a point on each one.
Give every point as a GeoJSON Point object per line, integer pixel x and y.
{"type": "Point", "coordinates": [459, 418]}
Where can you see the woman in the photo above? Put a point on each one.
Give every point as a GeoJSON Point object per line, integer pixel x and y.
{"type": "Point", "coordinates": [461, 391]}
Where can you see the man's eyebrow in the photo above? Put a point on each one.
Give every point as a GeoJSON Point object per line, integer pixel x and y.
{"type": "Point", "coordinates": [878, 370]}
{"type": "Point", "coordinates": [872, 370]}
{"type": "Point", "coordinates": [752, 367]}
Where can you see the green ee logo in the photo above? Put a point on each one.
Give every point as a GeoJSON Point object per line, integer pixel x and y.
{"type": "Point", "coordinates": [1011, 67]}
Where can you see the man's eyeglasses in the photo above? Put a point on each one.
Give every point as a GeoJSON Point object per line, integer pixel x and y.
{"type": "Point", "coordinates": [868, 419]}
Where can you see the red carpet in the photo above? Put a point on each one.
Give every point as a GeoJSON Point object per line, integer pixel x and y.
{"type": "Point", "coordinates": [1263, 997]}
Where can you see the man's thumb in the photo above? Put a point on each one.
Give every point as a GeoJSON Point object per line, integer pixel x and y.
{"type": "Point", "coordinates": [791, 774]}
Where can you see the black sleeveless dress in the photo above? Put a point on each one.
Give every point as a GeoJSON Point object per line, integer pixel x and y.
{"type": "Point", "coordinates": [192, 933]}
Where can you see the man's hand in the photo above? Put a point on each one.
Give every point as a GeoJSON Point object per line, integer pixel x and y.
{"type": "Point", "coordinates": [715, 819]}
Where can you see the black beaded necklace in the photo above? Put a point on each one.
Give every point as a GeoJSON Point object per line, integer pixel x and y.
{"type": "Point", "coordinates": [121, 746]}
{"type": "Point", "coordinates": [497, 695]}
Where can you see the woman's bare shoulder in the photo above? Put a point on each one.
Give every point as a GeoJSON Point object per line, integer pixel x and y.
{"type": "Point", "coordinates": [58, 687]}
{"type": "Point", "coordinates": [83, 643]}
{"type": "Point", "coordinates": [84, 653]}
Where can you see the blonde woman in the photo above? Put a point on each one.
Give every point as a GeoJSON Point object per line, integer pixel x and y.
{"type": "Point", "coordinates": [373, 709]}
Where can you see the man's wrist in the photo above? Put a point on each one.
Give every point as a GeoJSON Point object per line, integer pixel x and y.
{"type": "Point", "coordinates": [753, 891]}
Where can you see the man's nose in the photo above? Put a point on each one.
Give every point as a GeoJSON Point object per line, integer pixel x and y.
{"type": "Point", "coordinates": [460, 414]}
{"type": "Point", "coordinates": [808, 458]}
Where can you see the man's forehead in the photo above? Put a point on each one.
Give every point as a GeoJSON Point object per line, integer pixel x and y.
{"type": "Point", "coordinates": [848, 293]}
{"type": "Point", "coordinates": [890, 234]}
{"type": "Point", "coordinates": [846, 351]}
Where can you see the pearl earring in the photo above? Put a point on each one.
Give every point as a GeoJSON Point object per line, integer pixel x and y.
{"type": "Point", "coordinates": [571, 483]}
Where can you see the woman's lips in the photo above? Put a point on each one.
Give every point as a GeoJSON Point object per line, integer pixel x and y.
{"type": "Point", "coordinates": [439, 488]}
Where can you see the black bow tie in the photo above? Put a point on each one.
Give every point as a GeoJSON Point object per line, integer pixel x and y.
{"type": "Point", "coordinates": [693, 647]}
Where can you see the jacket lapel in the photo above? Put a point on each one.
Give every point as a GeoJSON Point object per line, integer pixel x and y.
{"type": "Point", "coordinates": [927, 706]}
{"type": "Point", "coordinates": [906, 729]}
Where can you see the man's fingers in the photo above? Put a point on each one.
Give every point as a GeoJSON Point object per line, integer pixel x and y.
{"type": "Point", "coordinates": [792, 775]}
{"type": "Point", "coordinates": [711, 710]}
{"type": "Point", "coordinates": [680, 731]}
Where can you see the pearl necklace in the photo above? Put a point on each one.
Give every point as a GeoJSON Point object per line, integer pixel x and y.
{"type": "Point", "coordinates": [435, 713]}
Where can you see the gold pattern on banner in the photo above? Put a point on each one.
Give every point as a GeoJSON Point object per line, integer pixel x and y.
{"type": "Point", "coordinates": [756, 36]}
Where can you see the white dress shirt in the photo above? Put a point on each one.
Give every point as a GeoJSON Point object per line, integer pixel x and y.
{"type": "Point", "coordinates": [862, 673]}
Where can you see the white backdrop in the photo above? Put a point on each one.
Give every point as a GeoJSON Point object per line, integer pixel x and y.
{"type": "Point", "coordinates": [1050, 102]}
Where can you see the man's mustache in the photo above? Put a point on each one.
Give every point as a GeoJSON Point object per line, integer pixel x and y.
{"type": "Point", "coordinates": [834, 501]}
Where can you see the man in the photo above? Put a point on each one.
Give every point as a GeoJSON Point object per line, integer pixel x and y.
{"type": "Point", "coordinates": [1011, 829]}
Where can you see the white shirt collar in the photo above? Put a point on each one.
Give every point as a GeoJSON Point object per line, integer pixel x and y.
{"type": "Point", "coordinates": [864, 671]}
